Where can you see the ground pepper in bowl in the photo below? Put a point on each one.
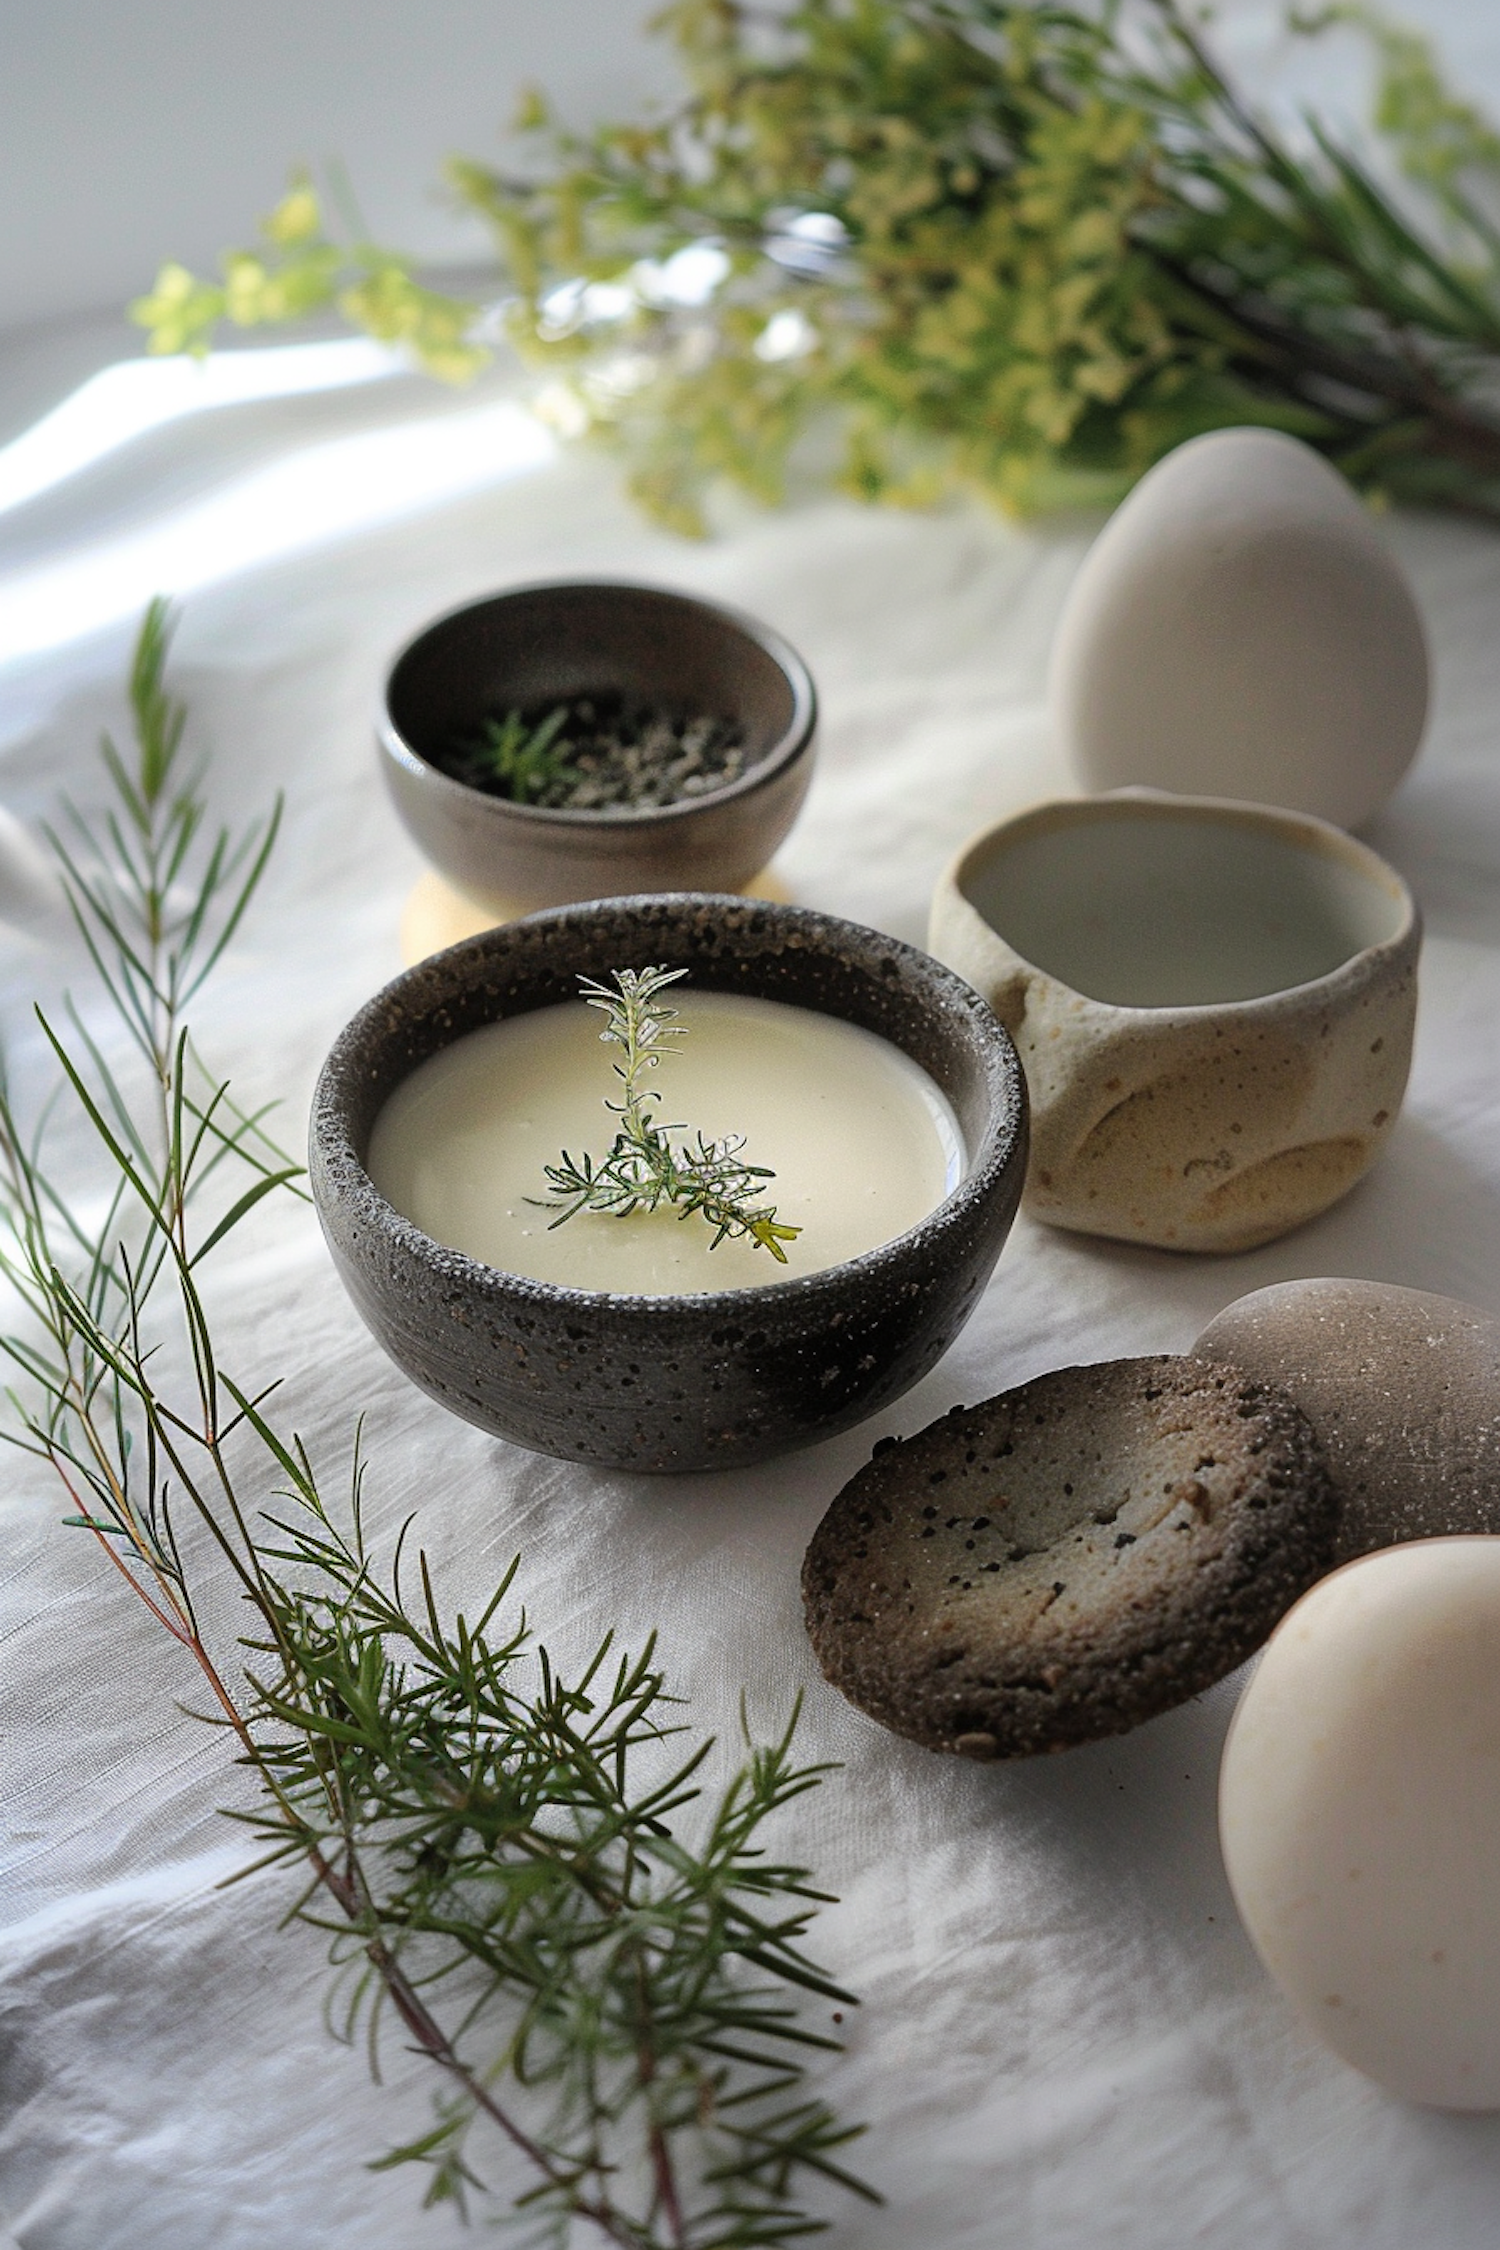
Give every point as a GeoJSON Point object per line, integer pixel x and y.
{"type": "Point", "coordinates": [597, 753]}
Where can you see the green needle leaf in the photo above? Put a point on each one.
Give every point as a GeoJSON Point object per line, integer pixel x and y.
{"type": "Point", "coordinates": [645, 1168]}
{"type": "Point", "coordinates": [585, 1934]}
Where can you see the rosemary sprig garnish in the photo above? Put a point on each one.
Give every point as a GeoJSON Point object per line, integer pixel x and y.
{"type": "Point", "coordinates": [645, 1168]}
{"type": "Point", "coordinates": [612, 1998]}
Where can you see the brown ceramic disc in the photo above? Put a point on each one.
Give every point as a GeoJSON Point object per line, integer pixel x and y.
{"type": "Point", "coordinates": [1070, 1558]}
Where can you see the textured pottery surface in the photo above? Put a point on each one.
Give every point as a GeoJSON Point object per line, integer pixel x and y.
{"type": "Point", "coordinates": [542, 645]}
{"type": "Point", "coordinates": [1402, 1388]}
{"type": "Point", "coordinates": [1240, 629]}
{"type": "Point", "coordinates": [662, 1383]}
{"type": "Point", "coordinates": [1359, 1812]}
{"type": "Point", "coordinates": [1070, 1558]}
{"type": "Point", "coordinates": [1243, 1053]}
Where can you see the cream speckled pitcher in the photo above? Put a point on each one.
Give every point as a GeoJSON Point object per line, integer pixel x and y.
{"type": "Point", "coordinates": [1213, 1003]}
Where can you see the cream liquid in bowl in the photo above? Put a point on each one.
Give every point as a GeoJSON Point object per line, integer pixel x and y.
{"type": "Point", "coordinates": [862, 1142]}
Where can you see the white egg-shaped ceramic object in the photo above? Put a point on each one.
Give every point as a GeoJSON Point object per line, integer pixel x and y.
{"type": "Point", "coordinates": [1241, 629]}
{"type": "Point", "coordinates": [1359, 1813]}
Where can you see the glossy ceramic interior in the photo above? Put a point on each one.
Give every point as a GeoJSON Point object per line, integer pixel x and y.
{"type": "Point", "coordinates": [1161, 906]}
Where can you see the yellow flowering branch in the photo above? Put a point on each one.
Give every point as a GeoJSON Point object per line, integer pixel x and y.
{"type": "Point", "coordinates": [921, 244]}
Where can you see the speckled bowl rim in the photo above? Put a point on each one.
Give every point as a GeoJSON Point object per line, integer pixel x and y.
{"type": "Point", "coordinates": [793, 743]}
{"type": "Point", "coordinates": [1322, 838]}
{"type": "Point", "coordinates": [1003, 1147]}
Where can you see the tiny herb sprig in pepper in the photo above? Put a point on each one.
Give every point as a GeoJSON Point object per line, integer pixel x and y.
{"type": "Point", "coordinates": [645, 1168]}
{"type": "Point", "coordinates": [597, 753]}
{"type": "Point", "coordinates": [516, 757]}
{"type": "Point", "coordinates": [609, 1991]}
{"type": "Point", "coordinates": [1008, 245]}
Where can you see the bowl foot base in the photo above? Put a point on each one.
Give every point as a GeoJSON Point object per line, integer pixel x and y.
{"type": "Point", "coordinates": [437, 915]}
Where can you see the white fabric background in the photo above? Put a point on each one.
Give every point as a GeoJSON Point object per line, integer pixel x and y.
{"type": "Point", "coordinates": [1066, 2039]}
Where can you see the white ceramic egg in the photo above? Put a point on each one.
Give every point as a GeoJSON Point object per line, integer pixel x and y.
{"type": "Point", "coordinates": [1359, 1813]}
{"type": "Point", "coordinates": [1240, 629]}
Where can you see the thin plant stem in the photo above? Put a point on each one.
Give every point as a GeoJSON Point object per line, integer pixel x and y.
{"type": "Point", "coordinates": [616, 2003]}
{"type": "Point", "coordinates": [645, 1168]}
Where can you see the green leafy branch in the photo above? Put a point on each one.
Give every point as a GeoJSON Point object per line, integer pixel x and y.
{"type": "Point", "coordinates": [645, 1169]}
{"type": "Point", "coordinates": [1002, 245]}
{"type": "Point", "coordinates": [611, 1997]}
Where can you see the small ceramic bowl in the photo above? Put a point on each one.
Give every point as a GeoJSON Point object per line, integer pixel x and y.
{"type": "Point", "coordinates": [663, 1383]}
{"type": "Point", "coordinates": [539, 646]}
{"type": "Point", "coordinates": [1213, 1004]}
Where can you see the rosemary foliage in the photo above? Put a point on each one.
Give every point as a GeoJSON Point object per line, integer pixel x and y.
{"type": "Point", "coordinates": [517, 758]}
{"type": "Point", "coordinates": [644, 1168]}
{"type": "Point", "coordinates": [1007, 245]}
{"type": "Point", "coordinates": [499, 1853]}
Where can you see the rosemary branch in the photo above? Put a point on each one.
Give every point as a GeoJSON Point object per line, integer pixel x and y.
{"type": "Point", "coordinates": [644, 1168]}
{"type": "Point", "coordinates": [615, 1999]}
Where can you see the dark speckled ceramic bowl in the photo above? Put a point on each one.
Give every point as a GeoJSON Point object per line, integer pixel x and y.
{"type": "Point", "coordinates": [538, 646]}
{"type": "Point", "coordinates": [666, 1383]}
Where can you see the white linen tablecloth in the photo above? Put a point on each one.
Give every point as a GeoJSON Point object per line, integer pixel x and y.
{"type": "Point", "coordinates": [1066, 2039]}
